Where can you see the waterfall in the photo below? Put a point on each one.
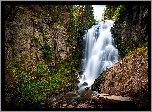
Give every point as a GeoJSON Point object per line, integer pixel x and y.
{"type": "Point", "coordinates": [99, 51]}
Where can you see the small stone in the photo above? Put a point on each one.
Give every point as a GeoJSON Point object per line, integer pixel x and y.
{"type": "Point", "coordinates": [85, 84]}
{"type": "Point", "coordinates": [70, 106]}
{"type": "Point", "coordinates": [74, 103]}
{"type": "Point", "coordinates": [87, 88]}
{"type": "Point", "coordinates": [64, 105]}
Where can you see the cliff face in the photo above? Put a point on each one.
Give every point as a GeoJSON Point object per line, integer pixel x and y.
{"type": "Point", "coordinates": [34, 39]}
{"type": "Point", "coordinates": [42, 50]}
{"type": "Point", "coordinates": [129, 77]}
{"type": "Point", "coordinates": [131, 30]}
{"type": "Point", "coordinates": [31, 31]}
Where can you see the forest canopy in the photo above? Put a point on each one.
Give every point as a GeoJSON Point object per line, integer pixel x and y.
{"type": "Point", "coordinates": [114, 12]}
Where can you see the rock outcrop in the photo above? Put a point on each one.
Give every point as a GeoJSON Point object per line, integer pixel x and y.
{"type": "Point", "coordinates": [129, 77]}
{"type": "Point", "coordinates": [112, 101]}
{"type": "Point", "coordinates": [131, 30]}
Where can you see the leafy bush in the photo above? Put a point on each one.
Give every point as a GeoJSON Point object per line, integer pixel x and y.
{"type": "Point", "coordinates": [114, 12]}
{"type": "Point", "coordinates": [36, 91]}
{"type": "Point", "coordinates": [40, 69]}
{"type": "Point", "coordinates": [145, 54]}
{"type": "Point", "coordinates": [119, 12]}
{"type": "Point", "coordinates": [47, 51]}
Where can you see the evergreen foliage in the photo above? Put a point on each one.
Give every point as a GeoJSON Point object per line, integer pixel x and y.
{"type": "Point", "coordinates": [114, 12]}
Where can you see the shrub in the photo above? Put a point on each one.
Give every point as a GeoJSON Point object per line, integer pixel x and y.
{"type": "Point", "coordinates": [47, 51]}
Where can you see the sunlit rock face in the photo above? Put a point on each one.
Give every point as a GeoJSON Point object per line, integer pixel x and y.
{"type": "Point", "coordinates": [128, 77]}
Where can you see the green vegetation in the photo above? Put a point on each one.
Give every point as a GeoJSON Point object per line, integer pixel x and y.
{"type": "Point", "coordinates": [82, 27]}
{"type": "Point", "coordinates": [35, 41]}
{"type": "Point", "coordinates": [115, 12]}
{"type": "Point", "coordinates": [35, 84]}
{"type": "Point", "coordinates": [140, 50]}
{"type": "Point", "coordinates": [40, 69]}
{"type": "Point", "coordinates": [119, 12]}
{"type": "Point", "coordinates": [34, 87]}
{"type": "Point", "coordinates": [47, 51]}
{"type": "Point", "coordinates": [13, 49]}
{"type": "Point", "coordinates": [82, 18]}
{"type": "Point", "coordinates": [129, 52]}
{"type": "Point", "coordinates": [145, 54]}
{"type": "Point", "coordinates": [109, 11]}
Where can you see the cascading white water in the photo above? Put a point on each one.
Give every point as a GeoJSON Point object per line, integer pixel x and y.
{"type": "Point", "coordinates": [99, 53]}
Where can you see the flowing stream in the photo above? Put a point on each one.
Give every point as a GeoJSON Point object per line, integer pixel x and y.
{"type": "Point", "coordinates": [99, 52]}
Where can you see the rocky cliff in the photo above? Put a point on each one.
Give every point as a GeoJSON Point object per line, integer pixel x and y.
{"type": "Point", "coordinates": [42, 50]}
{"type": "Point", "coordinates": [129, 77]}
{"type": "Point", "coordinates": [131, 29]}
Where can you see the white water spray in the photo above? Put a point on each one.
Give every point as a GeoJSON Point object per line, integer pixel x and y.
{"type": "Point", "coordinates": [99, 53]}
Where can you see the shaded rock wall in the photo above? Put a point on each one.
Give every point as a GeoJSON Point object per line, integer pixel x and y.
{"type": "Point", "coordinates": [37, 46]}
{"type": "Point", "coordinates": [131, 30]}
{"type": "Point", "coordinates": [31, 35]}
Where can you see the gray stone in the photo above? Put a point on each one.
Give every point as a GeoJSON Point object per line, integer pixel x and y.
{"type": "Point", "coordinates": [85, 84]}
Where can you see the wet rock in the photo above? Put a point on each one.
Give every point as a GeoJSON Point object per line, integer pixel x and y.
{"type": "Point", "coordinates": [86, 95]}
{"type": "Point", "coordinates": [87, 88]}
{"type": "Point", "coordinates": [77, 81]}
{"type": "Point", "coordinates": [69, 96]}
{"type": "Point", "coordinates": [74, 103]}
{"type": "Point", "coordinates": [85, 84]}
{"type": "Point", "coordinates": [76, 92]}
{"type": "Point", "coordinates": [96, 85]}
